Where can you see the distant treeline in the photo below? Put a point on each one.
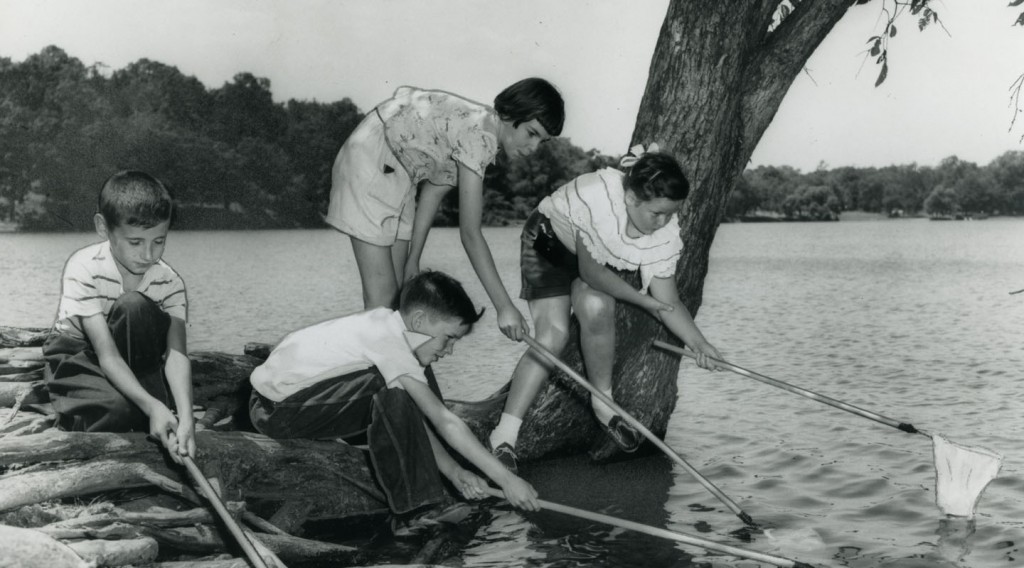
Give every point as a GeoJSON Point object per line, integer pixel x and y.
{"type": "Point", "coordinates": [954, 187]}
{"type": "Point", "coordinates": [235, 159]}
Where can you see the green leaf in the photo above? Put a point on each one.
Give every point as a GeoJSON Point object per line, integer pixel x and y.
{"type": "Point", "coordinates": [875, 49]}
{"type": "Point", "coordinates": [1020, 20]}
{"type": "Point", "coordinates": [1016, 3]}
{"type": "Point", "coordinates": [882, 74]}
{"type": "Point", "coordinates": [892, 29]}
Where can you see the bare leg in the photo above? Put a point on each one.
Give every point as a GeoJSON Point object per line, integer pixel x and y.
{"type": "Point", "coordinates": [596, 312]}
{"type": "Point", "coordinates": [399, 254]}
{"type": "Point", "coordinates": [551, 328]}
{"type": "Point", "coordinates": [377, 273]}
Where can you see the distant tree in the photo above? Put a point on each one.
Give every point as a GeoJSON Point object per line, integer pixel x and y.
{"type": "Point", "coordinates": [245, 108]}
{"type": "Point", "coordinates": [1007, 172]}
{"type": "Point", "coordinates": [942, 201]}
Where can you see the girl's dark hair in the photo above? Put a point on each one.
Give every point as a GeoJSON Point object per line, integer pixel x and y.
{"type": "Point", "coordinates": [657, 175]}
{"type": "Point", "coordinates": [532, 98]}
{"type": "Point", "coordinates": [439, 294]}
{"type": "Point", "coordinates": [135, 198]}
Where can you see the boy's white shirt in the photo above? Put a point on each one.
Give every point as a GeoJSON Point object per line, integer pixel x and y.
{"type": "Point", "coordinates": [91, 282]}
{"type": "Point", "coordinates": [372, 338]}
{"type": "Point", "coordinates": [594, 206]}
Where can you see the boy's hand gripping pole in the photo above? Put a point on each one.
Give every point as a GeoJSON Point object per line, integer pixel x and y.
{"type": "Point", "coordinates": [643, 430]}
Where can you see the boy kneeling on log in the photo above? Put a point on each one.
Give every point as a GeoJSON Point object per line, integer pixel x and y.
{"type": "Point", "coordinates": [364, 374]}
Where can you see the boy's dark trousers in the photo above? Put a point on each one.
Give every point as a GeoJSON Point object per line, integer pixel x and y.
{"type": "Point", "coordinates": [354, 404]}
{"type": "Point", "coordinates": [82, 396]}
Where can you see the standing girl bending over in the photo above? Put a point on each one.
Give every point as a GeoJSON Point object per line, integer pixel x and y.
{"type": "Point", "coordinates": [627, 221]}
{"type": "Point", "coordinates": [435, 141]}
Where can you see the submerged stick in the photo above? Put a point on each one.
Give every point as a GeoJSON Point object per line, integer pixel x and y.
{"type": "Point", "coordinates": [902, 426]}
{"type": "Point", "coordinates": [663, 533]}
{"type": "Point", "coordinates": [643, 430]}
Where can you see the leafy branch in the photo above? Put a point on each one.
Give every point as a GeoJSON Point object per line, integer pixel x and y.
{"type": "Point", "coordinates": [891, 11]}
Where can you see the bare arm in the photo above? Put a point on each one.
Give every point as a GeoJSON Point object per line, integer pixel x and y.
{"type": "Point", "coordinates": [162, 423]}
{"type": "Point", "coordinates": [178, 370]}
{"type": "Point", "coordinates": [680, 322]}
{"type": "Point", "coordinates": [467, 482]}
{"type": "Point", "coordinates": [426, 209]}
{"type": "Point", "coordinates": [601, 278]}
{"type": "Point", "coordinates": [471, 204]}
{"type": "Point", "coordinates": [454, 431]}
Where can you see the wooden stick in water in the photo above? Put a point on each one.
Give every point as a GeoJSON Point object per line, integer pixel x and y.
{"type": "Point", "coordinates": [211, 494]}
{"type": "Point", "coordinates": [663, 533]}
{"type": "Point", "coordinates": [643, 430]}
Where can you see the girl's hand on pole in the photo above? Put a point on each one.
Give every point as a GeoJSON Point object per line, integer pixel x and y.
{"type": "Point", "coordinates": [705, 353]}
{"type": "Point", "coordinates": [512, 323]}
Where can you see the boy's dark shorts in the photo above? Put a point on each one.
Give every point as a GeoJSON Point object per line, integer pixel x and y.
{"type": "Point", "coordinates": [547, 266]}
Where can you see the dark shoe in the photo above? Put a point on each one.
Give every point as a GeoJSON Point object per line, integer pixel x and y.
{"type": "Point", "coordinates": [624, 435]}
{"type": "Point", "coordinates": [507, 456]}
{"type": "Point", "coordinates": [414, 523]}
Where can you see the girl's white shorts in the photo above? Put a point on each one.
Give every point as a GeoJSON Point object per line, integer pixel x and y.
{"type": "Point", "coordinates": [372, 197]}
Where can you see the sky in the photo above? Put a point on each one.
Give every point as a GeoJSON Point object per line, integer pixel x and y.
{"type": "Point", "coordinates": [946, 93]}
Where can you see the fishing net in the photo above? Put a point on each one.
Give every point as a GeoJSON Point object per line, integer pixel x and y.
{"type": "Point", "coordinates": [962, 473]}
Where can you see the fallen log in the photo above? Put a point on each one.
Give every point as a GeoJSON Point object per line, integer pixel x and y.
{"type": "Point", "coordinates": [124, 552]}
{"type": "Point", "coordinates": [27, 547]}
{"type": "Point", "coordinates": [332, 478]}
{"type": "Point", "coordinates": [22, 336]}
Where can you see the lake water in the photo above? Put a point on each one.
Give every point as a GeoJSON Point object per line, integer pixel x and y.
{"type": "Point", "coordinates": [911, 319]}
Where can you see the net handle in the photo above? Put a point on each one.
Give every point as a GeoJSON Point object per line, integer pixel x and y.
{"type": "Point", "coordinates": [902, 426]}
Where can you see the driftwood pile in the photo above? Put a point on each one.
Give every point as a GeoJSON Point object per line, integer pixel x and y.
{"type": "Point", "coordinates": [78, 499]}
{"type": "Point", "coordinates": [116, 500]}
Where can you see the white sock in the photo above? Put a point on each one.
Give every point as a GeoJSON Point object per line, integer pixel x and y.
{"type": "Point", "coordinates": [603, 412]}
{"type": "Point", "coordinates": [507, 430]}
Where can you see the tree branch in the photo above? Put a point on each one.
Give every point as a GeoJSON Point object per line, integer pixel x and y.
{"type": "Point", "coordinates": [773, 69]}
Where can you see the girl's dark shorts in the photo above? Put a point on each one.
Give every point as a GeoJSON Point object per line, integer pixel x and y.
{"type": "Point", "coordinates": [547, 266]}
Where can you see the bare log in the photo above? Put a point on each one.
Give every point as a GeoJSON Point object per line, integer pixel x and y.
{"type": "Point", "coordinates": [26, 377]}
{"type": "Point", "coordinates": [27, 547]}
{"type": "Point", "coordinates": [19, 488]}
{"type": "Point", "coordinates": [232, 563]}
{"type": "Point", "coordinates": [117, 552]}
{"type": "Point", "coordinates": [203, 540]}
{"type": "Point", "coordinates": [333, 478]}
{"type": "Point", "coordinates": [22, 336]}
{"type": "Point", "coordinates": [16, 366]}
{"type": "Point", "coordinates": [22, 393]}
{"type": "Point", "coordinates": [21, 354]}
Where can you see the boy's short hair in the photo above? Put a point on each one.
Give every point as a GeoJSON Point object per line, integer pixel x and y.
{"type": "Point", "coordinates": [440, 295]}
{"type": "Point", "coordinates": [135, 198]}
{"type": "Point", "coordinates": [532, 98]}
{"type": "Point", "coordinates": [656, 174]}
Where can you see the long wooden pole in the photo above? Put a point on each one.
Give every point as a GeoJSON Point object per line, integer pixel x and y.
{"type": "Point", "coordinates": [662, 533]}
{"type": "Point", "coordinates": [643, 430]}
{"type": "Point", "coordinates": [211, 494]}
{"type": "Point", "coordinates": [903, 426]}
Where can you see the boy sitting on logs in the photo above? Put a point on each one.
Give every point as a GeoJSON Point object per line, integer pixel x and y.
{"type": "Point", "coordinates": [364, 374]}
{"type": "Point", "coordinates": [116, 355]}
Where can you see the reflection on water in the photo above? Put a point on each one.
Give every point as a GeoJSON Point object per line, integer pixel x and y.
{"type": "Point", "coordinates": [909, 319]}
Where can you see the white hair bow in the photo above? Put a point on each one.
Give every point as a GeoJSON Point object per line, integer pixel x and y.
{"type": "Point", "coordinates": [630, 159]}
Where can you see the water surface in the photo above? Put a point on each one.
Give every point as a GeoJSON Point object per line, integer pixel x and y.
{"type": "Point", "coordinates": [911, 319]}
